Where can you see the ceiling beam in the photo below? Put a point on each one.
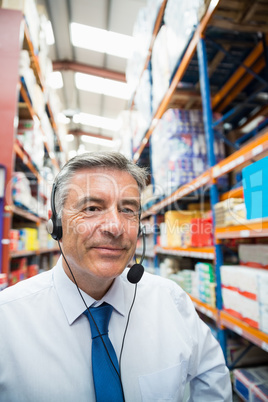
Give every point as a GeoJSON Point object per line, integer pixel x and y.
{"type": "Point", "coordinates": [77, 132]}
{"type": "Point", "coordinates": [64, 65]}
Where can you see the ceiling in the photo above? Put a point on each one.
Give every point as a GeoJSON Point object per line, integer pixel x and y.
{"type": "Point", "coordinates": [113, 15]}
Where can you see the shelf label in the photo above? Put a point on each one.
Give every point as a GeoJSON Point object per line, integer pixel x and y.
{"type": "Point", "coordinates": [257, 150]}
{"type": "Point", "coordinates": [245, 233]}
{"type": "Point", "coordinates": [240, 160]}
{"type": "Point", "coordinates": [264, 346]}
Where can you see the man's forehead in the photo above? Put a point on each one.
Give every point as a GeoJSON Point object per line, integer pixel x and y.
{"type": "Point", "coordinates": [103, 180]}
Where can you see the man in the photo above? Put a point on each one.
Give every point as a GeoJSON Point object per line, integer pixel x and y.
{"type": "Point", "coordinates": [45, 322]}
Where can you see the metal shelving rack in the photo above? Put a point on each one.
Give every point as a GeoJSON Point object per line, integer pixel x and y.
{"type": "Point", "coordinates": [228, 40]}
{"type": "Point", "coordinates": [15, 102]}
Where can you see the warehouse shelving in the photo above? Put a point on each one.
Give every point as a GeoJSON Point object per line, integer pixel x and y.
{"type": "Point", "coordinates": [16, 103]}
{"type": "Point", "coordinates": [251, 228]}
{"type": "Point", "coordinates": [255, 336]}
{"type": "Point", "coordinates": [26, 253]}
{"type": "Point", "coordinates": [232, 94]}
{"type": "Point", "coordinates": [206, 253]}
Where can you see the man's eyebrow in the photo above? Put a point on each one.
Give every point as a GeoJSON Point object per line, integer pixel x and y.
{"type": "Point", "coordinates": [130, 201]}
{"type": "Point", "coordinates": [87, 199]}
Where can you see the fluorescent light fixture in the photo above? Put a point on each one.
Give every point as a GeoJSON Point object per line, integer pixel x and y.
{"type": "Point", "coordinates": [99, 85]}
{"type": "Point", "coordinates": [97, 121]}
{"type": "Point", "coordinates": [55, 80]}
{"type": "Point", "coordinates": [252, 125]}
{"type": "Point", "coordinates": [98, 141]}
{"type": "Point", "coordinates": [100, 40]}
{"type": "Point", "coordinates": [49, 34]}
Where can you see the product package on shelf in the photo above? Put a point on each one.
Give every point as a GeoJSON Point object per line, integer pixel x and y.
{"type": "Point", "coordinates": [230, 212]}
{"type": "Point", "coordinates": [160, 68]}
{"type": "Point", "coordinates": [18, 271]}
{"type": "Point", "coordinates": [21, 193]}
{"type": "Point", "coordinates": [255, 178]}
{"type": "Point", "coordinates": [187, 280]}
{"type": "Point", "coordinates": [143, 104]}
{"type": "Point", "coordinates": [206, 283]}
{"type": "Point", "coordinates": [21, 269]}
{"type": "Point", "coordinates": [179, 150]}
{"type": "Point", "coordinates": [201, 231]}
{"type": "Point", "coordinates": [180, 19]}
{"type": "Point", "coordinates": [178, 227]}
{"type": "Point", "coordinates": [245, 294]}
{"type": "Point", "coordinates": [251, 383]}
{"type": "Point", "coordinates": [253, 255]}
{"type": "Point", "coordinates": [30, 136]}
{"type": "Point", "coordinates": [142, 33]}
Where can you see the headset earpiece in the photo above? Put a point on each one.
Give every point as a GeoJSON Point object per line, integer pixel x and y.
{"type": "Point", "coordinates": [54, 225]}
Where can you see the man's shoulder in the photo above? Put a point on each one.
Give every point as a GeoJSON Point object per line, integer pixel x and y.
{"type": "Point", "coordinates": [26, 288]}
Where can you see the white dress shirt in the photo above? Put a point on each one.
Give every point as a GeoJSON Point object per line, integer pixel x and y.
{"type": "Point", "coordinates": [45, 343]}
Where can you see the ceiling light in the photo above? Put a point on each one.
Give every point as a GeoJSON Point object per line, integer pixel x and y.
{"type": "Point", "coordinates": [96, 121]}
{"type": "Point", "coordinates": [101, 85]}
{"type": "Point", "coordinates": [100, 40]}
{"type": "Point", "coordinates": [55, 80]}
{"type": "Point", "coordinates": [49, 34]}
{"type": "Point", "coordinates": [252, 125]}
{"type": "Point", "coordinates": [98, 141]}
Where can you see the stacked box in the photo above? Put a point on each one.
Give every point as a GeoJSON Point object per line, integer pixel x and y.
{"type": "Point", "coordinates": [251, 383]}
{"type": "Point", "coordinates": [179, 150]}
{"type": "Point", "coordinates": [245, 294]}
{"type": "Point", "coordinates": [178, 227]}
{"type": "Point", "coordinates": [187, 280]}
{"type": "Point", "coordinates": [18, 271]}
{"type": "Point", "coordinates": [14, 236]}
{"type": "Point", "coordinates": [206, 283]}
{"type": "Point", "coordinates": [228, 212]}
{"type": "Point", "coordinates": [29, 239]}
{"type": "Point", "coordinates": [253, 255]}
{"type": "Point", "coordinates": [201, 232]}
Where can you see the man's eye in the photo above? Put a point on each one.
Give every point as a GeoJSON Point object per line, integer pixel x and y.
{"type": "Point", "coordinates": [91, 209]}
{"type": "Point", "coordinates": [129, 211]}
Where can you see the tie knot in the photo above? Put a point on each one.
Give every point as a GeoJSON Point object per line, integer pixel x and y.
{"type": "Point", "coordinates": [101, 315]}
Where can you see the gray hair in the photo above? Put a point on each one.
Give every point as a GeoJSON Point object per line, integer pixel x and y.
{"type": "Point", "coordinates": [112, 160]}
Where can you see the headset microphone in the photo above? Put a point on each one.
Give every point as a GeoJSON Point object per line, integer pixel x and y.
{"type": "Point", "coordinates": [136, 271]}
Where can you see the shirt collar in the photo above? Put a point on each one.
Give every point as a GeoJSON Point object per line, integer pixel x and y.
{"type": "Point", "coordinates": [73, 304]}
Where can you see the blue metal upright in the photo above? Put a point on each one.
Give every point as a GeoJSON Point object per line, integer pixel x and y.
{"type": "Point", "coordinates": [214, 196]}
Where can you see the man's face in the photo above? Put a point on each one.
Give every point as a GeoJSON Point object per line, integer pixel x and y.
{"type": "Point", "coordinates": [100, 222]}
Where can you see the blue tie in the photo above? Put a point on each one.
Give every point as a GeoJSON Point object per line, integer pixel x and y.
{"type": "Point", "coordinates": [105, 374]}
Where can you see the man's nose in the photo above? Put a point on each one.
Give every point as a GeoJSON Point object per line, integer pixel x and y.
{"type": "Point", "coordinates": [113, 223]}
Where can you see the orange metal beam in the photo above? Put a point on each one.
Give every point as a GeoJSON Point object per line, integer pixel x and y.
{"type": "Point", "coordinates": [260, 64]}
{"type": "Point", "coordinates": [234, 193]}
{"type": "Point", "coordinates": [80, 132]}
{"type": "Point", "coordinates": [259, 338]}
{"type": "Point", "coordinates": [249, 61]}
{"type": "Point", "coordinates": [248, 229]}
{"type": "Point", "coordinates": [241, 156]}
{"type": "Point", "coordinates": [64, 65]}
